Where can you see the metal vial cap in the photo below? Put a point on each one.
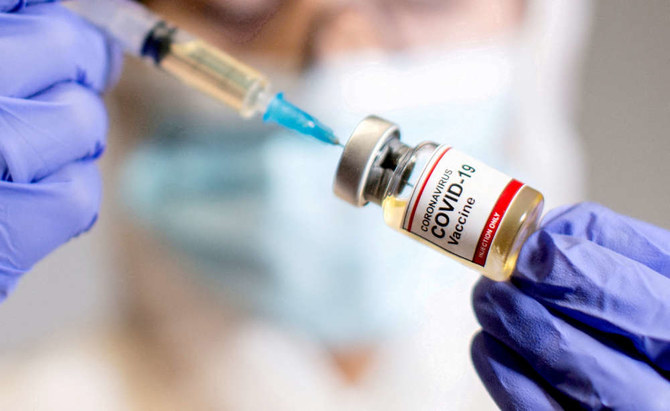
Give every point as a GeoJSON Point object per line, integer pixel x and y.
{"type": "Point", "coordinates": [361, 159]}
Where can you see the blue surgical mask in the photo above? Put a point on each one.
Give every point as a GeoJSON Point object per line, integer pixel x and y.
{"type": "Point", "coordinates": [256, 213]}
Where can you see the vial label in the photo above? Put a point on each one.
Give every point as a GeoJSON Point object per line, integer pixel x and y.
{"type": "Point", "coordinates": [458, 204]}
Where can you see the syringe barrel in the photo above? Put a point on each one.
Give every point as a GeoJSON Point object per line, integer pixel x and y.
{"type": "Point", "coordinates": [126, 21]}
{"type": "Point", "coordinates": [218, 74]}
{"type": "Point", "coordinates": [193, 61]}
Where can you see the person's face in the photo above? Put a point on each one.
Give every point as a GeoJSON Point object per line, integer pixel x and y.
{"type": "Point", "coordinates": [296, 33]}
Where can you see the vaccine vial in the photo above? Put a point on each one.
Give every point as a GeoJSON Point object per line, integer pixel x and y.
{"type": "Point", "coordinates": [440, 197]}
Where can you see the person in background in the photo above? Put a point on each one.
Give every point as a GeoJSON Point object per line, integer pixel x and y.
{"type": "Point", "coordinates": [248, 286]}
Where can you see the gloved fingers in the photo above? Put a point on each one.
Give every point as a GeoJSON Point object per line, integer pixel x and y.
{"type": "Point", "coordinates": [637, 240]}
{"type": "Point", "coordinates": [37, 218]}
{"type": "Point", "coordinates": [14, 5]}
{"type": "Point", "coordinates": [579, 366]}
{"type": "Point", "coordinates": [38, 136]}
{"type": "Point", "coordinates": [46, 44]}
{"type": "Point", "coordinates": [600, 288]}
{"type": "Point", "coordinates": [512, 383]}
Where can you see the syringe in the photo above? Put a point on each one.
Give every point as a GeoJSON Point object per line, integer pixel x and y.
{"type": "Point", "coordinates": [198, 64]}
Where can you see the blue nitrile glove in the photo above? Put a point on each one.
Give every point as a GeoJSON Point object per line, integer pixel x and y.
{"type": "Point", "coordinates": [584, 321]}
{"type": "Point", "coordinates": [53, 67]}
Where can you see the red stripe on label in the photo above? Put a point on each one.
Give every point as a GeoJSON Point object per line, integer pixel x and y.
{"type": "Point", "coordinates": [493, 222]}
{"type": "Point", "coordinates": [423, 187]}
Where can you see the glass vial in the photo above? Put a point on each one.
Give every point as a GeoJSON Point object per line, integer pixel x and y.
{"type": "Point", "coordinates": [440, 197]}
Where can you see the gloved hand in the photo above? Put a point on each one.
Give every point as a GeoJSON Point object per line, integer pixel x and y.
{"type": "Point", "coordinates": [584, 321]}
{"type": "Point", "coordinates": [53, 67]}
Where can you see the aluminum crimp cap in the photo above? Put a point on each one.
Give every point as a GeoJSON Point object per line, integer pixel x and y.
{"type": "Point", "coordinates": [359, 156]}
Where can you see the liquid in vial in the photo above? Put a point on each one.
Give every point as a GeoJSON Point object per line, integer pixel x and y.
{"type": "Point", "coordinates": [441, 197]}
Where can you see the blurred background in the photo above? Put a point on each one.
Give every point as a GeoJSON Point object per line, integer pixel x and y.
{"type": "Point", "coordinates": [622, 119]}
{"type": "Point", "coordinates": [625, 102]}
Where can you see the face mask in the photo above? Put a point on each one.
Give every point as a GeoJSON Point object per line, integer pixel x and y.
{"type": "Point", "coordinates": [257, 214]}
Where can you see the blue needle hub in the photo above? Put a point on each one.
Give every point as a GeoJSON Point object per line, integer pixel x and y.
{"type": "Point", "coordinates": [290, 116]}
